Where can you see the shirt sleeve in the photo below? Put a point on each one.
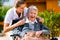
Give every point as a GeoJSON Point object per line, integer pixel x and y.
{"type": "Point", "coordinates": [45, 29]}
{"type": "Point", "coordinates": [8, 17]}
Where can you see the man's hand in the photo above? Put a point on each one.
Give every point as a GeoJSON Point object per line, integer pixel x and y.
{"type": "Point", "coordinates": [38, 33]}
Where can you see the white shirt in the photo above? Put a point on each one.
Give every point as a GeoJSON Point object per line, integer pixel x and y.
{"type": "Point", "coordinates": [27, 21]}
{"type": "Point", "coordinates": [11, 15]}
{"type": "Point", "coordinates": [31, 24]}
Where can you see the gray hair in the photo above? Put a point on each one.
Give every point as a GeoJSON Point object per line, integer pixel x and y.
{"type": "Point", "coordinates": [32, 8]}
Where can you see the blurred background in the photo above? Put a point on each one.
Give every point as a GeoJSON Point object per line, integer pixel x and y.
{"type": "Point", "coordinates": [48, 9]}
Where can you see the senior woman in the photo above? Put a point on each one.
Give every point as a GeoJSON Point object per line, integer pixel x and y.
{"type": "Point", "coordinates": [32, 28]}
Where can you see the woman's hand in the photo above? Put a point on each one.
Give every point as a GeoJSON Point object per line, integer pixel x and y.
{"type": "Point", "coordinates": [31, 34]}
{"type": "Point", "coordinates": [38, 34]}
{"type": "Point", "coordinates": [41, 20]}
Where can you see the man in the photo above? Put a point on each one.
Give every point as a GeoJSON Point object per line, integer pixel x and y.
{"type": "Point", "coordinates": [32, 28]}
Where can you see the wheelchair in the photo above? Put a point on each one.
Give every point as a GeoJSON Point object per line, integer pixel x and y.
{"type": "Point", "coordinates": [45, 36]}
{"type": "Point", "coordinates": [14, 35]}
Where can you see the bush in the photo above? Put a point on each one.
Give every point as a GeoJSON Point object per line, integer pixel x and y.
{"type": "Point", "coordinates": [51, 20]}
{"type": "Point", "coordinates": [3, 11]}
{"type": "Point", "coordinates": [0, 2]}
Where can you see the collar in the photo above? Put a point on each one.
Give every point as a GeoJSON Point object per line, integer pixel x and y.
{"type": "Point", "coordinates": [27, 21]}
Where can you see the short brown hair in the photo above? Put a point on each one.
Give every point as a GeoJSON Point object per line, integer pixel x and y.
{"type": "Point", "coordinates": [18, 3]}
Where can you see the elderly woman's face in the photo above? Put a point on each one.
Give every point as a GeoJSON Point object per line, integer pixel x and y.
{"type": "Point", "coordinates": [33, 14]}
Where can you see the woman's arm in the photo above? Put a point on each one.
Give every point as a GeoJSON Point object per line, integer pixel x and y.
{"type": "Point", "coordinates": [41, 20]}
{"type": "Point", "coordinates": [8, 28]}
{"type": "Point", "coordinates": [44, 29]}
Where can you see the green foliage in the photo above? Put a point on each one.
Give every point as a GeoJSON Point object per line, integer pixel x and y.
{"type": "Point", "coordinates": [0, 2]}
{"type": "Point", "coordinates": [3, 11]}
{"type": "Point", "coordinates": [51, 20]}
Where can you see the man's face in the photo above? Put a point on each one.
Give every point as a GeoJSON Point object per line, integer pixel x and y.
{"type": "Point", "coordinates": [33, 14]}
{"type": "Point", "coordinates": [21, 8]}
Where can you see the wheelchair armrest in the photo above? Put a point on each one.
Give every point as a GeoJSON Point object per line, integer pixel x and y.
{"type": "Point", "coordinates": [14, 35]}
{"type": "Point", "coordinates": [46, 35]}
